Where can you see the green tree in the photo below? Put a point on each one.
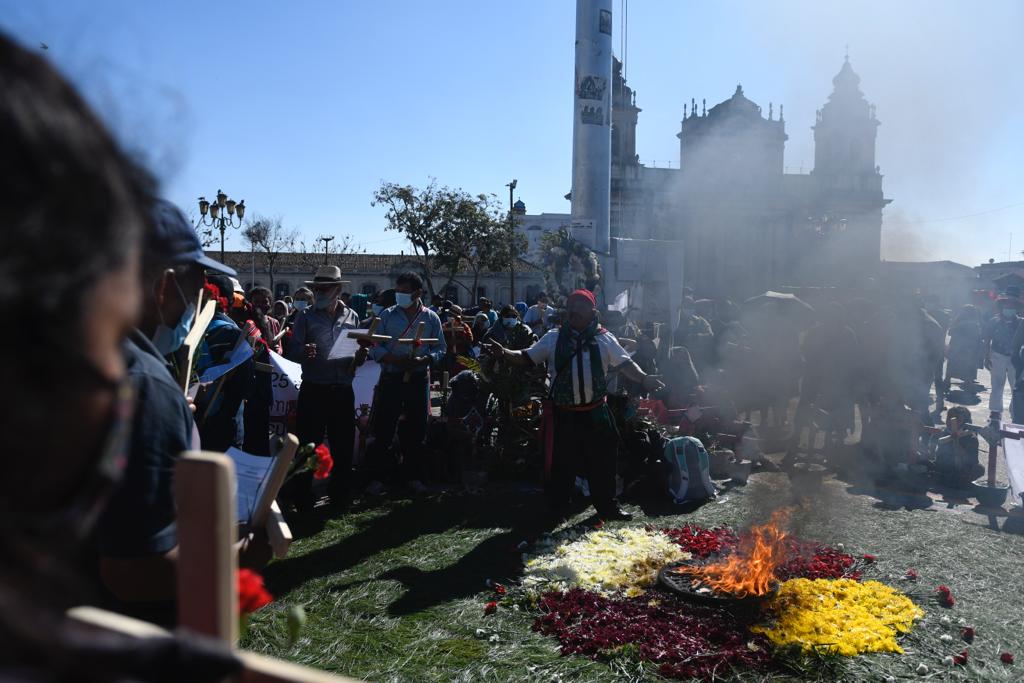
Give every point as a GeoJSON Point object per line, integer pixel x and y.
{"type": "Point", "coordinates": [424, 217]}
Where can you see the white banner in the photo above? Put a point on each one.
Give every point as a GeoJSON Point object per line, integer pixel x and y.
{"type": "Point", "coordinates": [1013, 451]}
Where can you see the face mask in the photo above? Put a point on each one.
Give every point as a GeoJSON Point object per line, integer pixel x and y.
{"type": "Point", "coordinates": [168, 340]}
{"type": "Point", "coordinates": [323, 301]}
{"type": "Point", "coordinates": [377, 309]}
{"type": "Point", "coordinates": [509, 322]}
{"type": "Point", "coordinates": [403, 300]}
{"type": "Point", "coordinates": [1009, 312]}
{"type": "Point", "coordinates": [300, 305]}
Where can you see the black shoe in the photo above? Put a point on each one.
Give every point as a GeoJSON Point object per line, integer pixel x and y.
{"type": "Point", "coordinates": [615, 515]}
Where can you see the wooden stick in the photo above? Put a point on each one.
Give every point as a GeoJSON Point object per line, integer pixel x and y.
{"type": "Point", "coordinates": [415, 341]}
{"type": "Point", "coordinates": [255, 668]}
{"type": "Point", "coordinates": [371, 334]}
{"type": "Point", "coordinates": [204, 493]}
{"type": "Point", "coordinates": [278, 472]}
{"type": "Point", "coordinates": [278, 532]}
{"type": "Point", "coordinates": [193, 339]}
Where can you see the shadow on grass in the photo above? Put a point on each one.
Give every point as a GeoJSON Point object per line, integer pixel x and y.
{"type": "Point", "coordinates": [523, 513]}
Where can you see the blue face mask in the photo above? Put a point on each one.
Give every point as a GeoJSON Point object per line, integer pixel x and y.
{"type": "Point", "coordinates": [168, 340]}
{"type": "Point", "coordinates": [403, 299]}
{"type": "Point", "coordinates": [322, 301]}
{"type": "Point", "coordinates": [300, 305]}
{"type": "Point", "coordinates": [377, 308]}
{"type": "Point", "coordinates": [509, 322]}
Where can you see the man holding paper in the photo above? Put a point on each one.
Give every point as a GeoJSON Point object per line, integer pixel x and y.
{"type": "Point", "coordinates": [326, 401]}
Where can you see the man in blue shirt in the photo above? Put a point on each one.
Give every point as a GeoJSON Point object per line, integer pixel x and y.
{"type": "Point", "coordinates": [404, 382]}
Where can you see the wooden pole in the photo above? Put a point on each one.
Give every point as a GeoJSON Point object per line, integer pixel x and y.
{"type": "Point", "coordinates": [207, 562]}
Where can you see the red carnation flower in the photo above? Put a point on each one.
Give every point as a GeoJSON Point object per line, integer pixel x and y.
{"type": "Point", "coordinates": [911, 575]}
{"type": "Point", "coordinates": [946, 598]}
{"type": "Point", "coordinates": [324, 462]}
{"type": "Point", "coordinates": [499, 589]}
{"type": "Point", "coordinates": [600, 523]}
{"type": "Point", "coordinates": [490, 608]}
{"type": "Point", "coordinates": [968, 634]}
{"type": "Point", "coordinates": [961, 658]}
{"type": "Point", "coordinates": [870, 558]}
{"type": "Point", "coordinates": [251, 593]}
{"type": "Point", "coordinates": [1006, 658]}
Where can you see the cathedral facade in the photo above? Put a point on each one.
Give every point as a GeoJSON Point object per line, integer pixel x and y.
{"type": "Point", "coordinates": [746, 225]}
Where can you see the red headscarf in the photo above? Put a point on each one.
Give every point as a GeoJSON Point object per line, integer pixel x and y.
{"type": "Point", "coordinates": [585, 294]}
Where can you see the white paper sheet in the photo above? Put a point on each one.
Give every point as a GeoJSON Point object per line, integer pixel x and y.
{"type": "Point", "coordinates": [345, 345]}
{"type": "Point", "coordinates": [241, 353]}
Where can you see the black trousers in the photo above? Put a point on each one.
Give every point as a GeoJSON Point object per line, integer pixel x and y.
{"type": "Point", "coordinates": [585, 444]}
{"type": "Point", "coordinates": [396, 398]}
{"type": "Point", "coordinates": [330, 409]}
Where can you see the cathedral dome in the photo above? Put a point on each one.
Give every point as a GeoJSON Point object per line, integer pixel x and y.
{"type": "Point", "coordinates": [737, 105]}
{"type": "Point", "coordinates": [846, 79]}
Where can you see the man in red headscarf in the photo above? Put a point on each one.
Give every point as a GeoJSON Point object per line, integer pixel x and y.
{"type": "Point", "coordinates": [579, 355]}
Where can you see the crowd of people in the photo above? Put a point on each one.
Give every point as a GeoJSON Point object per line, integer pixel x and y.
{"type": "Point", "coordinates": [106, 280]}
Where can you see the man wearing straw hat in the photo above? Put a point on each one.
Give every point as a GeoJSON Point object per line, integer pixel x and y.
{"type": "Point", "coordinates": [326, 401]}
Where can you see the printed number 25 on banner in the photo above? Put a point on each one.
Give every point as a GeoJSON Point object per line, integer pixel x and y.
{"type": "Point", "coordinates": [284, 383]}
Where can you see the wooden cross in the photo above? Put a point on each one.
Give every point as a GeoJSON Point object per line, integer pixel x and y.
{"type": "Point", "coordinates": [370, 336]}
{"type": "Point", "coordinates": [194, 338]}
{"type": "Point", "coordinates": [416, 341]}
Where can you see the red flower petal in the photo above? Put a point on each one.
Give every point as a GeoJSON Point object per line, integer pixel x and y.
{"type": "Point", "coordinates": [491, 607]}
{"type": "Point", "coordinates": [870, 558]}
{"type": "Point", "coordinates": [960, 659]}
{"type": "Point", "coordinates": [251, 593]}
{"type": "Point", "coordinates": [499, 589]}
{"type": "Point", "coordinates": [1006, 658]}
{"type": "Point", "coordinates": [911, 574]}
{"type": "Point", "coordinates": [967, 634]}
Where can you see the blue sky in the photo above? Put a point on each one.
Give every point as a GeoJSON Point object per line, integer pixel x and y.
{"type": "Point", "coordinates": [302, 108]}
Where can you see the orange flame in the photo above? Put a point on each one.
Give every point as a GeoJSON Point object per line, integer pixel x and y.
{"type": "Point", "coordinates": [750, 571]}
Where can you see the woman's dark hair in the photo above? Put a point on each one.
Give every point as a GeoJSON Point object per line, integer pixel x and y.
{"type": "Point", "coordinates": [259, 290]}
{"type": "Point", "coordinates": [410, 278]}
{"type": "Point", "coordinates": [72, 206]}
{"type": "Point", "coordinates": [507, 311]}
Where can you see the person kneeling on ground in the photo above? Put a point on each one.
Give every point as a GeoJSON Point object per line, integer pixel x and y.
{"type": "Point", "coordinates": [579, 354]}
{"type": "Point", "coordinates": [956, 458]}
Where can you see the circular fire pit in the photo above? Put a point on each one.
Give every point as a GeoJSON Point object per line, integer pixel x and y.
{"type": "Point", "coordinates": [682, 585]}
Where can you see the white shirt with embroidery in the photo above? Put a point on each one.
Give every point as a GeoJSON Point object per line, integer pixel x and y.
{"type": "Point", "coordinates": [612, 356]}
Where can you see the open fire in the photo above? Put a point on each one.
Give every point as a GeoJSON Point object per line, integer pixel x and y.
{"type": "Point", "coordinates": [751, 570]}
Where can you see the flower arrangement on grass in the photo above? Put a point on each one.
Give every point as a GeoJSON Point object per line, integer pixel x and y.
{"type": "Point", "coordinates": [591, 588]}
{"type": "Point", "coordinates": [622, 561]}
{"type": "Point", "coordinates": [839, 616]}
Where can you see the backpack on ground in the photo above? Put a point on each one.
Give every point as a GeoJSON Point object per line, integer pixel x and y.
{"type": "Point", "coordinates": [689, 472]}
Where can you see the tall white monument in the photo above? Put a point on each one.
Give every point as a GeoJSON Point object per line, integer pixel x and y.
{"type": "Point", "coordinates": [591, 124]}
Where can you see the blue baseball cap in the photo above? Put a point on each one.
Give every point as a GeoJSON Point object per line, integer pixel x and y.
{"type": "Point", "coordinates": [174, 241]}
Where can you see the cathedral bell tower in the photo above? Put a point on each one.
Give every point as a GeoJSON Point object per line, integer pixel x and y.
{"type": "Point", "coordinates": [844, 137]}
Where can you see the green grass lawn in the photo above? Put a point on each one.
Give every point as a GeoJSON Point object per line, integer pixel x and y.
{"type": "Point", "coordinates": [396, 592]}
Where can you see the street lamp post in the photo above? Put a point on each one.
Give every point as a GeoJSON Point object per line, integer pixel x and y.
{"type": "Point", "coordinates": [326, 239]}
{"type": "Point", "coordinates": [222, 213]}
{"type": "Point", "coordinates": [511, 244]}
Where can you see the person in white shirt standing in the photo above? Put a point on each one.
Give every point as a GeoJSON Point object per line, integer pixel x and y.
{"type": "Point", "coordinates": [579, 355]}
{"type": "Point", "coordinates": [538, 315]}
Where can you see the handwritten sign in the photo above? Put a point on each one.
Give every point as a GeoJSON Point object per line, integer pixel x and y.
{"type": "Point", "coordinates": [285, 380]}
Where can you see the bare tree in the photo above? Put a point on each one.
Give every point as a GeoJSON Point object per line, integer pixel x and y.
{"type": "Point", "coordinates": [333, 254]}
{"type": "Point", "coordinates": [271, 238]}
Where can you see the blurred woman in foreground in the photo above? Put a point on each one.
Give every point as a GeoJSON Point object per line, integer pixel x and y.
{"type": "Point", "coordinates": [72, 207]}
